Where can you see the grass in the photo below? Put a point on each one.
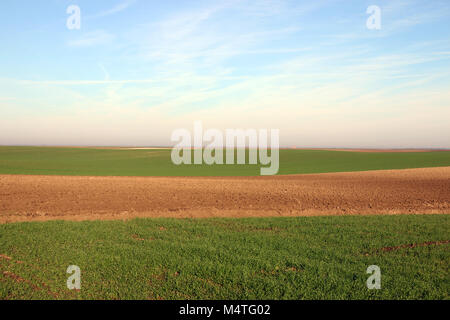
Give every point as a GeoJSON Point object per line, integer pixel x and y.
{"type": "Point", "coordinates": [110, 162]}
{"type": "Point", "coordinates": [255, 258]}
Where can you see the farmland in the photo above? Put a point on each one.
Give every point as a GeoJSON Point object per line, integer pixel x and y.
{"type": "Point", "coordinates": [157, 162]}
{"type": "Point", "coordinates": [256, 258]}
{"type": "Point", "coordinates": [140, 227]}
{"type": "Point", "coordinates": [41, 198]}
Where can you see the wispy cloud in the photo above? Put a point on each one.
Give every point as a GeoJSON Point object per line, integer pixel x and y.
{"type": "Point", "coordinates": [80, 82]}
{"type": "Point", "coordinates": [105, 72]}
{"type": "Point", "coordinates": [116, 9]}
{"type": "Point", "coordinates": [93, 38]}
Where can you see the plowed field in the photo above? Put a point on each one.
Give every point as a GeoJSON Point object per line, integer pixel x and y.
{"type": "Point", "coordinates": [40, 198]}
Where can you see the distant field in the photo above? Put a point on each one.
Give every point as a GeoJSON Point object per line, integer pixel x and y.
{"type": "Point", "coordinates": [257, 258]}
{"type": "Point", "coordinates": [156, 162]}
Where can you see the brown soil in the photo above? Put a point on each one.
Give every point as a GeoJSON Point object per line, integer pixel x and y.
{"type": "Point", "coordinates": [414, 245]}
{"type": "Point", "coordinates": [40, 198]}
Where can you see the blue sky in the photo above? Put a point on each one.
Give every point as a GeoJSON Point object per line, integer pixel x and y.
{"type": "Point", "coordinates": [137, 69]}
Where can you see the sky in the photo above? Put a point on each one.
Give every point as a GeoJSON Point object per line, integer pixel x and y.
{"type": "Point", "coordinates": [136, 70]}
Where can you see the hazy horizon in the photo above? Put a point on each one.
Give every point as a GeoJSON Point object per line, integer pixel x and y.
{"type": "Point", "coordinates": [171, 146]}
